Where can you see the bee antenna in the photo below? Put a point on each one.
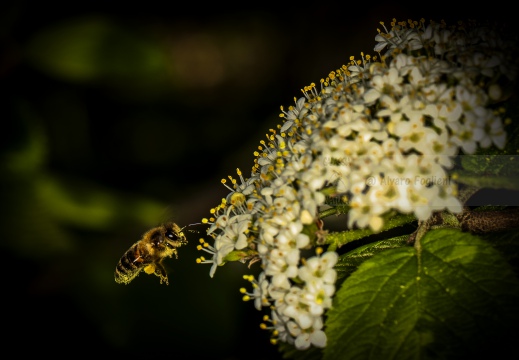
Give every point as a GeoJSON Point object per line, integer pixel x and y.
{"type": "Point", "coordinates": [191, 225]}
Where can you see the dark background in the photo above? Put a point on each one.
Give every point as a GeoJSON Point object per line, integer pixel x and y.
{"type": "Point", "coordinates": [118, 117]}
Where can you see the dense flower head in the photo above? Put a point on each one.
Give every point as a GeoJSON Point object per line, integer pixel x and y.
{"type": "Point", "coordinates": [381, 134]}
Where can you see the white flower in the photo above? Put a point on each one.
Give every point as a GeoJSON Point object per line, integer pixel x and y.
{"type": "Point", "coordinates": [384, 84]}
{"type": "Point", "coordinates": [380, 136]}
{"type": "Point", "coordinates": [282, 265]}
{"type": "Point", "coordinates": [312, 336]}
{"type": "Point", "coordinates": [320, 268]}
{"type": "Point", "coordinates": [202, 260]}
{"type": "Point", "coordinates": [260, 293]}
{"type": "Point", "coordinates": [294, 114]}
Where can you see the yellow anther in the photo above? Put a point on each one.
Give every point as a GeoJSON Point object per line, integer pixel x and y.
{"type": "Point", "coordinates": [237, 199]}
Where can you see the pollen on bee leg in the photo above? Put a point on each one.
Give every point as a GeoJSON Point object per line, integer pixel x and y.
{"type": "Point", "coordinates": [149, 269]}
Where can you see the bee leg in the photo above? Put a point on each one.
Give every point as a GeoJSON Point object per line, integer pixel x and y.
{"type": "Point", "coordinates": [174, 252]}
{"type": "Point", "coordinates": [161, 273]}
{"type": "Point", "coordinates": [150, 268]}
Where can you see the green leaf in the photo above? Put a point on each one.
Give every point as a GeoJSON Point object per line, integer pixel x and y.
{"type": "Point", "coordinates": [507, 242]}
{"type": "Point", "coordinates": [492, 167]}
{"type": "Point", "coordinates": [350, 261]}
{"type": "Point", "coordinates": [239, 255]}
{"type": "Point", "coordinates": [391, 221]}
{"type": "Point", "coordinates": [491, 164]}
{"type": "Point", "coordinates": [455, 297]}
{"type": "Point", "coordinates": [488, 181]}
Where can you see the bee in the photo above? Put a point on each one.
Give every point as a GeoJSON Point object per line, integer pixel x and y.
{"type": "Point", "coordinates": [148, 253]}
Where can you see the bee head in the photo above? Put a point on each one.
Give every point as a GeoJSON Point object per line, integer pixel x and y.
{"type": "Point", "coordinates": [156, 239]}
{"type": "Point", "coordinates": [172, 235]}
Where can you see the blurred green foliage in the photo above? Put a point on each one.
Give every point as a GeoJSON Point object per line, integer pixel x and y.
{"type": "Point", "coordinates": [92, 49]}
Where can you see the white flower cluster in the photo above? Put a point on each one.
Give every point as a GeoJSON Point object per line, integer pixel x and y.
{"type": "Point", "coordinates": [381, 134]}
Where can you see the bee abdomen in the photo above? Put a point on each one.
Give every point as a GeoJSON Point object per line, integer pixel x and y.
{"type": "Point", "coordinates": [129, 266]}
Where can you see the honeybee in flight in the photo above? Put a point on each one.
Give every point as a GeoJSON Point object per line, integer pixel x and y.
{"type": "Point", "coordinates": [148, 253]}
